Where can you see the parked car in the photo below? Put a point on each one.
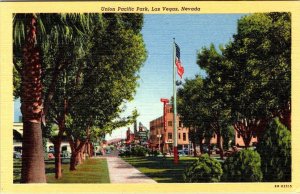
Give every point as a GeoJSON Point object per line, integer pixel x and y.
{"type": "Point", "coordinates": [98, 153]}
{"type": "Point", "coordinates": [66, 154]}
{"type": "Point", "coordinates": [51, 155]}
{"type": "Point", "coordinates": [205, 149]}
{"type": "Point", "coordinates": [17, 155]}
{"type": "Point", "coordinates": [186, 151]}
{"type": "Point", "coordinates": [181, 153]}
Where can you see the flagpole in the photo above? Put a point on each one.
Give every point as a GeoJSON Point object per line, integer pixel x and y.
{"type": "Point", "coordinates": [174, 106]}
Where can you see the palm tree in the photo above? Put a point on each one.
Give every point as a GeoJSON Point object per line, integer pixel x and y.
{"type": "Point", "coordinates": [25, 30]}
{"type": "Point", "coordinates": [29, 31]}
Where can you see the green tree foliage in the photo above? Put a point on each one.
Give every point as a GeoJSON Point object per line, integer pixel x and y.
{"type": "Point", "coordinates": [192, 110]}
{"type": "Point", "coordinates": [204, 170]}
{"type": "Point", "coordinates": [139, 151]}
{"type": "Point", "coordinates": [109, 78]}
{"type": "Point", "coordinates": [89, 71]}
{"type": "Point", "coordinates": [100, 77]}
{"type": "Point", "coordinates": [16, 83]}
{"type": "Point", "coordinates": [215, 98]}
{"type": "Point", "coordinates": [29, 32]}
{"type": "Point", "coordinates": [243, 166]}
{"type": "Point", "coordinates": [259, 71]}
{"type": "Point", "coordinates": [275, 151]}
{"type": "Point", "coordinates": [229, 137]}
{"type": "Point", "coordinates": [57, 37]}
{"type": "Point", "coordinates": [248, 81]}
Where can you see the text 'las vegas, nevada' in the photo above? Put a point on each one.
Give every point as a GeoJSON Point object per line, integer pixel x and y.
{"type": "Point", "coordinates": [150, 9]}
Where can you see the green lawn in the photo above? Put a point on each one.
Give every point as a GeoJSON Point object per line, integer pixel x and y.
{"type": "Point", "coordinates": [160, 169]}
{"type": "Point", "coordinates": [91, 171]}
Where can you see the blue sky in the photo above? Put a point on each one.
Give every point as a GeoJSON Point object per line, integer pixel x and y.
{"type": "Point", "coordinates": [192, 32]}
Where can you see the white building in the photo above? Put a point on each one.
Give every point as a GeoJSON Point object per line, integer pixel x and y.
{"type": "Point", "coordinates": [17, 140]}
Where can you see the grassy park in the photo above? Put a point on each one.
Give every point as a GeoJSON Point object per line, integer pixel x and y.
{"type": "Point", "coordinates": [91, 171]}
{"type": "Point", "coordinates": [75, 73]}
{"type": "Point", "coordinates": [161, 169]}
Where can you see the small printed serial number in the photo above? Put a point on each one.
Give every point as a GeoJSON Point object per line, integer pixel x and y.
{"type": "Point", "coordinates": [283, 186]}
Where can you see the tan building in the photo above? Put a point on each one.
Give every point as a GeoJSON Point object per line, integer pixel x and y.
{"type": "Point", "coordinates": [240, 142]}
{"type": "Point", "coordinates": [163, 138]}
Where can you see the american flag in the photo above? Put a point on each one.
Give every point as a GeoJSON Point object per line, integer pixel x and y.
{"type": "Point", "coordinates": [180, 69]}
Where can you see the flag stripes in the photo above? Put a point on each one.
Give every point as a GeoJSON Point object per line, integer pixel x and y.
{"type": "Point", "coordinates": [180, 69]}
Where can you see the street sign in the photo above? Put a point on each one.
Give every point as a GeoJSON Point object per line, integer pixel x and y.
{"type": "Point", "coordinates": [142, 133]}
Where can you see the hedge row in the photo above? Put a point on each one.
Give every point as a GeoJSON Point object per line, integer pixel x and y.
{"type": "Point", "coordinates": [271, 161]}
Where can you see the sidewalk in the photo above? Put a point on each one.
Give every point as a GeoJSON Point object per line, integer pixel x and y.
{"type": "Point", "coordinates": [122, 172]}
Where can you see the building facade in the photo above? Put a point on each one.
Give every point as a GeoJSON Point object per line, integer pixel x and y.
{"type": "Point", "coordinates": [129, 137]}
{"type": "Point", "coordinates": [161, 134]}
{"type": "Point", "coordinates": [18, 135]}
{"type": "Point", "coordinates": [239, 142]}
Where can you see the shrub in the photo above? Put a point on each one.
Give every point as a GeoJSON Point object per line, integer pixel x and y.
{"type": "Point", "coordinates": [154, 153]}
{"type": "Point", "coordinates": [139, 151]}
{"type": "Point", "coordinates": [275, 151]}
{"type": "Point", "coordinates": [125, 154]}
{"type": "Point", "coordinates": [205, 169]}
{"type": "Point", "coordinates": [242, 166]}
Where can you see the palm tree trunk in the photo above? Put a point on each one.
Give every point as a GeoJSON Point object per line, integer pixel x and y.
{"type": "Point", "coordinates": [33, 166]}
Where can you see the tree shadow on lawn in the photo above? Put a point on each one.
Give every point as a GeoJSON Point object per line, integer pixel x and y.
{"type": "Point", "coordinates": [167, 176]}
{"type": "Point", "coordinates": [163, 170]}
{"type": "Point", "coordinates": [159, 163]}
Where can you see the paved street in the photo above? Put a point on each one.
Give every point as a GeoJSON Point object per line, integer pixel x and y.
{"type": "Point", "coordinates": [122, 172]}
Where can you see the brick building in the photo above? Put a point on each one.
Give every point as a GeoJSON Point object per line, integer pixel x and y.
{"type": "Point", "coordinates": [164, 138]}
{"type": "Point", "coordinates": [129, 137]}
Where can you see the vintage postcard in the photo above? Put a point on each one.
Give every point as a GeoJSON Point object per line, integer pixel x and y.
{"type": "Point", "coordinates": [149, 96]}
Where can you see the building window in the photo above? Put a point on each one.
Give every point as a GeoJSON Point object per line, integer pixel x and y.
{"type": "Point", "coordinates": [180, 124]}
{"type": "Point", "coordinates": [179, 136]}
{"type": "Point", "coordinates": [184, 136]}
{"type": "Point", "coordinates": [171, 110]}
{"type": "Point", "coordinates": [169, 135]}
{"type": "Point", "coordinates": [170, 123]}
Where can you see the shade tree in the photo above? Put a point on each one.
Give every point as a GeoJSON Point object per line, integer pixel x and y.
{"type": "Point", "coordinates": [89, 61]}
{"type": "Point", "coordinates": [250, 76]}
{"type": "Point", "coordinates": [215, 98]}
{"type": "Point", "coordinates": [29, 31]}
{"type": "Point", "coordinates": [192, 111]}
{"type": "Point", "coordinates": [259, 72]}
